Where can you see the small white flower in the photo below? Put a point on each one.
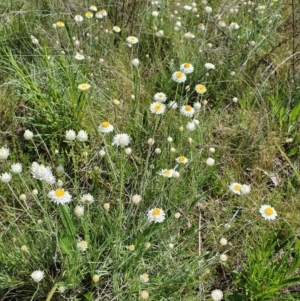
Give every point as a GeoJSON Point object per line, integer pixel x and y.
{"type": "Point", "coordinates": [245, 189]}
{"type": "Point", "coordinates": [157, 108]}
{"type": "Point", "coordinates": [128, 151]}
{"type": "Point", "coordinates": [70, 135]}
{"type": "Point", "coordinates": [160, 97]}
{"type": "Point", "coordinates": [78, 18]}
{"type": "Point", "coordinates": [116, 29]}
{"type": "Point", "coordinates": [182, 160]}
{"type": "Point", "coordinates": [93, 8]}
{"type": "Point", "coordinates": [166, 173]}
{"type": "Point", "coordinates": [82, 245]}
{"type": "Point", "coordinates": [189, 35]}
{"type": "Point", "coordinates": [132, 40]}
{"type": "Point", "coordinates": [135, 62]}
{"type": "Point", "coordinates": [197, 106]}
{"type": "Point", "coordinates": [235, 188]}
{"type": "Point", "coordinates": [155, 13]}
{"type": "Point", "coordinates": [175, 174]}
{"type": "Point", "coordinates": [186, 68]}
{"type": "Point", "coordinates": [190, 126]}
{"type": "Point", "coordinates": [235, 99]}
{"type": "Point", "coordinates": [210, 162]}
{"type": "Point", "coordinates": [223, 257]}
{"type": "Point", "coordinates": [178, 77]}
{"type": "Point", "coordinates": [160, 33]}
{"type": "Point", "coordinates": [234, 25]}
{"type": "Point", "coordinates": [79, 210]}
{"type": "Point", "coordinates": [169, 139]}
{"type": "Point", "coordinates": [60, 196]}
{"type": "Point", "coordinates": [196, 121]}
{"type": "Point", "coordinates": [4, 153]}
{"type": "Point", "coordinates": [201, 26]}
{"type": "Point", "coordinates": [173, 105]}
{"type": "Point", "coordinates": [105, 127]}
{"type": "Point", "coordinates": [187, 7]}
{"type": "Point", "coordinates": [28, 135]}
{"type": "Point", "coordinates": [209, 66]}
{"type": "Point", "coordinates": [79, 56]}
{"type": "Point", "coordinates": [136, 199]}
{"type": "Point", "coordinates": [223, 241]}
{"type": "Point", "coordinates": [16, 168]}
{"type": "Point", "coordinates": [121, 140]}
{"type": "Point", "coordinates": [208, 9]}
{"type": "Point", "coordinates": [37, 276]}
{"type": "Point", "coordinates": [212, 150]}
{"type": "Point", "coordinates": [221, 23]}
{"type": "Point", "coordinates": [217, 295]}
{"type": "Point", "coordinates": [87, 198]}
{"type": "Point", "coordinates": [157, 151]}
{"type": "Point", "coordinates": [5, 177]}
{"type": "Point", "coordinates": [268, 212]}
{"type": "Point", "coordinates": [156, 215]}
{"type": "Point", "coordinates": [144, 278]}
{"type": "Point", "coordinates": [82, 136]}
{"type": "Point", "coordinates": [187, 110]}
{"type": "Point", "coordinates": [101, 153]}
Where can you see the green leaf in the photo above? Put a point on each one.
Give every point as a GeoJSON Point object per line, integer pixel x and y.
{"type": "Point", "coordinates": [66, 220]}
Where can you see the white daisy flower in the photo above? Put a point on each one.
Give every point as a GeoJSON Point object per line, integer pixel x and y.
{"type": "Point", "coordinates": [105, 127]}
{"type": "Point", "coordinates": [245, 189]}
{"type": "Point", "coordinates": [217, 295]}
{"type": "Point", "coordinates": [234, 25]}
{"type": "Point", "coordinates": [187, 7]}
{"type": "Point", "coordinates": [208, 9]}
{"type": "Point", "coordinates": [144, 278]}
{"type": "Point", "coordinates": [28, 135]}
{"type": "Point", "coordinates": [221, 23]}
{"type": "Point", "coordinates": [79, 210]}
{"type": "Point", "coordinates": [16, 168]}
{"type": "Point", "coordinates": [166, 173]}
{"type": "Point", "coordinates": [155, 13]}
{"type": "Point", "coordinates": [84, 86]}
{"type": "Point", "coordinates": [70, 135]}
{"type": "Point", "coordinates": [99, 15]}
{"type": "Point", "coordinates": [82, 245]}
{"type": "Point", "coordinates": [197, 106]}
{"type": "Point", "coordinates": [189, 35]}
{"type": "Point", "coordinates": [190, 126]}
{"type": "Point", "coordinates": [116, 29]}
{"type": "Point", "coordinates": [157, 108]}
{"type": "Point", "coordinates": [78, 18]}
{"type": "Point", "coordinates": [210, 162]}
{"type": "Point", "coordinates": [182, 160]}
{"type": "Point", "coordinates": [156, 215]}
{"type": "Point", "coordinates": [186, 68]}
{"type": "Point", "coordinates": [4, 153]}
{"type": "Point", "coordinates": [173, 105]}
{"type": "Point", "coordinates": [268, 212]}
{"type": "Point", "coordinates": [160, 97]}
{"type": "Point", "coordinates": [135, 62]}
{"type": "Point", "coordinates": [132, 40]}
{"type": "Point", "coordinates": [235, 188]}
{"type": "Point", "coordinates": [5, 177]}
{"type": "Point", "coordinates": [79, 56]}
{"type": "Point", "coordinates": [209, 66]}
{"type": "Point", "coordinates": [93, 8]}
{"type": "Point", "coordinates": [87, 198]}
{"type": "Point", "coordinates": [82, 136]}
{"type": "Point", "coordinates": [60, 196]}
{"type": "Point", "coordinates": [40, 172]}
{"type": "Point", "coordinates": [37, 276]}
{"type": "Point", "coordinates": [200, 89]}
{"type": "Point", "coordinates": [121, 140]}
{"type": "Point", "coordinates": [187, 110]}
{"type": "Point", "coordinates": [201, 26]}
{"type": "Point", "coordinates": [178, 77]}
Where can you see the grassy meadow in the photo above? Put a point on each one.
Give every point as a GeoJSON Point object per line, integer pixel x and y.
{"type": "Point", "coordinates": [149, 150]}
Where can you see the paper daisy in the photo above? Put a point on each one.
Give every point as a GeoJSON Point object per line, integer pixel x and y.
{"type": "Point", "coordinates": [79, 57]}
{"type": "Point", "coordinates": [87, 198]}
{"type": "Point", "coordinates": [82, 136]}
{"type": "Point", "coordinates": [144, 278]}
{"type": "Point", "coordinates": [93, 8]}
{"type": "Point", "coordinates": [5, 177]}
{"type": "Point", "coordinates": [245, 189]}
{"type": "Point", "coordinates": [105, 127]}
{"type": "Point", "coordinates": [235, 188]}
{"type": "Point", "coordinates": [28, 135]}
{"type": "Point", "coordinates": [121, 140]}
{"type": "Point", "coordinates": [209, 66]}
{"type": "Point", "coordinates": [221, 23]}
{"type": "Point", "coordinates": [60, 24]}
{"type": "Point", "coordinates": [186, 68]}
{"type": "Point", "coordinates": [217, 295]}
{"type": "Point", "coordinates": [16, 168]}
{"type": "Point", "coordinates": [79, 211]}
{"type": "Point", "coordinates": [70, 135]}
{"type": "Point", "coordinates": [160, 97]}
{"type": "Point", "coordinates": [37, 276]}
{"type": "Point", "coordinates": [89, 15]}
{"type": "Point", "coordinates": [84, 86]}
{"type": "Point", "coordinates": [173, 105]}
{"type": "Point", "coordinates": [78, 18]}
{"type": "Point", "coordinates": [166, 173]}
{"type": "Point", "coordinates": [4, 153]}
{"type": "Point", "coordinates": [40, 172]}
{"type": "Point", "coordinates": [201, 26]}
{"type": "Point", "coordinates": [200, 89]}
{"type": "Point", "coordinates": [116, 29]}
{"type": "Point", "coordinates": [178, 77]}
{"type": "Point", "coordinates": [60, 196]}
{"type": "Point", "coordinates": [156, 215]}
{"type": "Point", "coordinates": [190, 126]}
{"type": "Point", "coordinates": [182, 160]}
{"type": "Point", "coordinates": [157, 108]}
{"type": "Point", "coordinates": [82, 245]}
{"type": "Point", "coordinates": [187, 110]}
{"type": "Point", "coordinates": [189, 35]}
{"type": "Point", "coordinates": [132, 40]}
{"type": "Point", "coordinates": [268, 212]}
{"type": "Point", "coordinates": [234, 25]}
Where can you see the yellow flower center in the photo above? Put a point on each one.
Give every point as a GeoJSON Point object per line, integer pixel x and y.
{"type": "Point", "coordinates": [105, 124]}
{"type": "Point", "coordinates": [237, 187]}
{"type": "Point", "coordinates": [201, 24]}
{"type": "Point", "coordinates": [179, 74]}
{"type": "Point", "coordinates": [132, 39]}
{"type": "Point", "coordinates": [269, 211]}
{"type": "Point", "coordinates": [188, 108]}
{"type": "Point", "coordinates": [156, 211]}
{"type": "Point", "coordinates": [59, 193]}
{"type": "Point", "coordinates": [89, 14]}
{"type": "Point", "coordinates": [181, 159]}
{"type": "Point", "coordinates": [160, 96]}
{"type": "Point", "coordinates": [157, 107]}
{"type": "Point", "coordinates": [83, 244]}
{"type": "Point", "coordinates": [167, 172]}
{"type": "Point", "coordinates": [201, 88]}
{"type": "Point", "coordinates": [60, 24]}
{"type": "Point", "coordinates": [187, 65]}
